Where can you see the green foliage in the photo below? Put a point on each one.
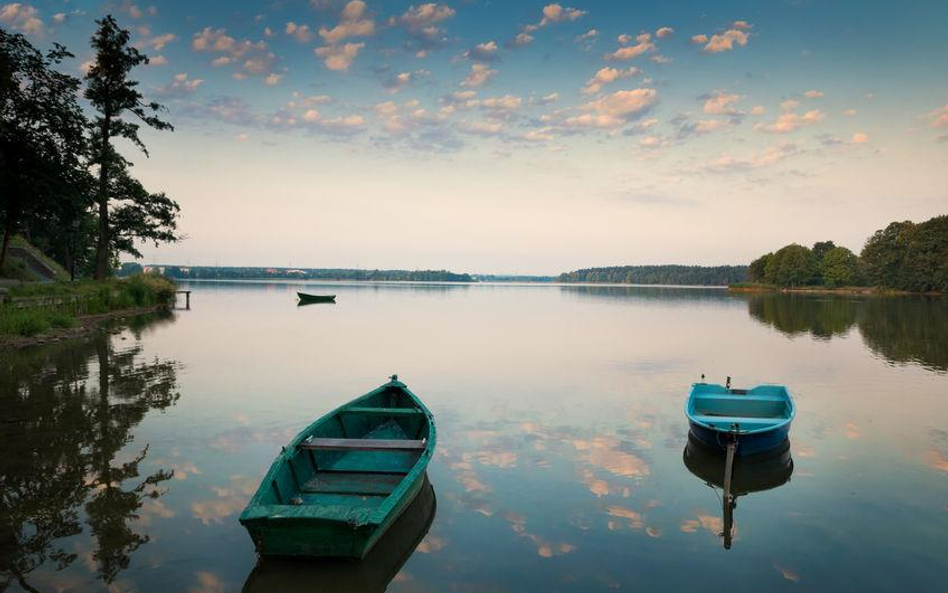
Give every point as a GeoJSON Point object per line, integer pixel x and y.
{"type": "Point", "coordinates": [793, 265]}
{"type": "Point", "coordinates": [233, 273]}
{"type": "Point", "coordinates": [42, 140]}
{"type": "Point", "coordinates": [23, 322]}
{"type": "Point", "coordinates": [902, 256]}
{"type": "Point", "coordinates": [909, 256]}
{"type": "Point", "coordinates": [669, 275]}
{"type": "Point", "coordinates": [821, 248]}
{"type": "Point", "coordinates": [757, 270]}
{"type": "Point", "coordinates": [62, 320]}
{"type": "Point", "coordinates": [839, 267]}
{"type": "Point", "coordinates": [85, 297]}
{"type": "Point", "coordinates": [126, 211]}
{"type": "Point", "coordinates": [884, 255]}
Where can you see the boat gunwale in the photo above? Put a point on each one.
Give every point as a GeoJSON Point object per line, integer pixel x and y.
{"type": "Point", "coordinates": [779, 423]}
{"type": "Point", "coordinates": [255, 510]}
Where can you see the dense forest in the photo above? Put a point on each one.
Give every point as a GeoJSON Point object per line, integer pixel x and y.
{"type": "Point", "coordinates": [64, 184]}
{"type": "Point", "coordinates": [902, 256]}
{"type": "Point", "coordinates": [258, 273]}
{"type": "Point", "coordinates": [671, 275]}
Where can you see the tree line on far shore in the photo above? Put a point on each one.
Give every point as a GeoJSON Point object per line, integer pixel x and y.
{"type": "Point", "coordinates": [665, 274]}
{"type": "Point", "coordinates": [260, 273]}
{"type": "Point", "coordinates": [63, 182]}
{"type": "Point", "coordinates": [902, 256]}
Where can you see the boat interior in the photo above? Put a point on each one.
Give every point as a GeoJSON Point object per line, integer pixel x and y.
{"type": "Point", "coordinates": [355, 457]}
{"type": "Point", "coordinates": [751, 409]}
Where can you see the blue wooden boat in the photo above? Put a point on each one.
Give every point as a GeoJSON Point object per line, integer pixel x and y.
{"type": "Point", "coordinates": [755, 420]}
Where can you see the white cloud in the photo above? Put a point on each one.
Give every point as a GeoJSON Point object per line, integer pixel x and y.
{"type": "Point", "coordinates": [629, 52]}
{"type": "Point", "coordinates": [422, 23]}
{"type": "Point", "coordinates": [180, 86]}
{"type": "Point", "coordinates": [339, 57]}
{"type": "Point", "coordinates": [664, 32]}
{"type": "Point", "coordinates": [605, 76]}
{"type": "Point", "coordinates": [352, 23]}
{"type": "Point", "coordinates": [21, 17]}
{"type": "Point", "coordinates": [860, 138]}
{"type": "Point", "coordinates": [481, 128]}
{"type": "Point", "coordinates": [158, 60]}
{"type": "Point", "coordinates": [706, 126]}
{"type": "Point", "coordinates": [249, 58]}
{"type": "Point", "coordinates": [484, 52]}
{"type": "Point", "coordinates": [502, 105]}
{"type": "Point", "coordinates": [789, 104]}
{"type": "Point", "coordinates": [652, 142]}
{"type": "Point", "coordinates": [813, 94]}
{"type": "Point", "coordinates": [587, 37]}
{"type": "Point", "coordinates": [758, 110]}
{"type": "Point", "coordinates": [158, 42]}
{"type": "Point", "coordinates": [397, 82]}
{"type": "Point", "coordinates": [479, 75]}
{"type": "Point", "coordinates": [555, 13]}
{"type": "Point", "coordinates": [725, 40]}
{"type": "Point", "coordinates": [939, 117]}
{"type": "Point", "coordinates": [721, 104]}
{"type": "Point", "coordinates": [615, 110]}
{"type": "Point", "coordinates": [767, 158]}
{"type": "Point", "coordinates": [551, 14]}
{"type": "Point", "coordinates": [787, 122]}
{"type": "Point", "coordinates": [301, 33]}
{"type": "Point", "coordinates": [272, 79]}
{"type": "Point", "coordinates": [850, 112]}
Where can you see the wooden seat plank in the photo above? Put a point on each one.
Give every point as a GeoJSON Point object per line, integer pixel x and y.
{"type": "Point", "coordinates": [364, 444]}
{"type": "Point", "coordinates": [382, 411]}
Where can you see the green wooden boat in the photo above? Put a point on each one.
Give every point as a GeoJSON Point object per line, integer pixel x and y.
{"type": "Point", "coordinates": [338, 486]}
{"type": "Point", "coordinates": [341, 575]}
{"type": "Point", "coordinates": [309, 299]}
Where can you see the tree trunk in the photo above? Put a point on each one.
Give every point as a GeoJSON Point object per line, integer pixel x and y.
{"type": "Point", "coordinates": [102, 242]}
{"type": "Point", "coordinates": [8, 227]}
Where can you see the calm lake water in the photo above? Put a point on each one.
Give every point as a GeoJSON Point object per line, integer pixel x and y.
{"type": "Point", "coordinates": [126, 458]}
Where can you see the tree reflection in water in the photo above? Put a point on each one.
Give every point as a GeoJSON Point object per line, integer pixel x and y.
{"type": "Point", "coordinates": [68, 411]}
{"type": "Point", "coordinates": [900, 329]}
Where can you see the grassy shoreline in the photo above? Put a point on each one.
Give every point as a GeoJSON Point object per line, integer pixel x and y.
{"type": "Point", "coordinates": [33, 311]}
{"type": "Point", "coordinates": [840, 290]}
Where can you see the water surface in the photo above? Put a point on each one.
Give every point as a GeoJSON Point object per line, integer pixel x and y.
{"type": "Point", "coordinates": [128, 456]}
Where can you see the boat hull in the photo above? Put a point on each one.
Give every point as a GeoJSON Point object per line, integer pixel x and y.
{"type": "Point", "coordinates": [756, 419]}
{"type": "Point", "coordinates": [339, 485]}
{"type": "Point", "coordinates": [288, 537]}
{"type": "Point", "coordinates": [372, 575]}
{"type": "Point", "coordinates": [747, 444]}
{"type": "Point", "coordinates": [306, 299]}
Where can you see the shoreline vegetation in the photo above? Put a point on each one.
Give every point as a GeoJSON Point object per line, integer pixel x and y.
{"type": "Point", "coordinates": [35, 313]}
{"type": "Point", "coordinates": [903, 258]}
{"type": "Point", "coordinates": [753, 287]}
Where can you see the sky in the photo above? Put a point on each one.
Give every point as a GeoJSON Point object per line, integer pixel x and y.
{"type": "Point", "coordinates": [528, 137]}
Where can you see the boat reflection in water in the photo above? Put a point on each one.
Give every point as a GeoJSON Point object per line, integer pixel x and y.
{"type": "Point", "coordinates": [371, 574]}
{"type": "Point", "coordinates": [753, 473]}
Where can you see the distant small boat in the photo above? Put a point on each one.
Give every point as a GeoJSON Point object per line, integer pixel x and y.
{"type": "Point", "coordinates": [307, 299]}
{"type": "Point", "coordinates": [343, 481]}
{"type": "Point", "coordinates": [753, 420]}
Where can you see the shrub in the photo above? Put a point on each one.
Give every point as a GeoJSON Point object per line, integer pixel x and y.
{"type": "Point", "coordinates": [62, 320]}
{"type": "Point", "coordinates": [23, 323]}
